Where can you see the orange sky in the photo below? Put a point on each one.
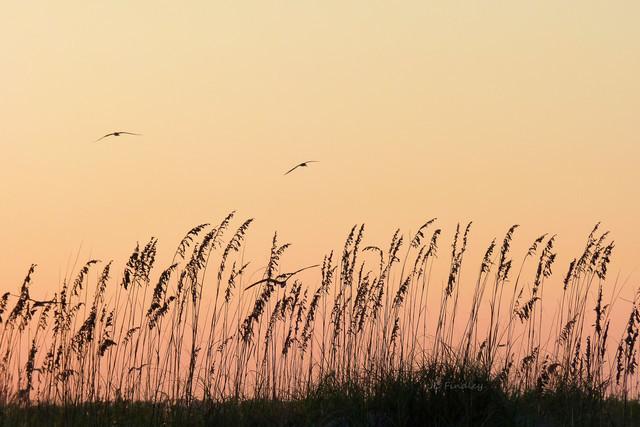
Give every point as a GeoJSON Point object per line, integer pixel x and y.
{"type": "Point", "coordinates": [499, 112]}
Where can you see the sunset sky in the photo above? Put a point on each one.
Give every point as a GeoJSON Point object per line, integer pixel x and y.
{"type": "Point", "coordinates": [496, 112]}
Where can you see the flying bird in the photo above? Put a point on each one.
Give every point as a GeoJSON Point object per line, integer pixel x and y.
{"type": "Point", "coordinates": [36, 303]}
{"type": "Point", "coordinates": [118, 133]}
{"type": "Point", "coordinates": [301, 165]}
{"type": "Point", "coordinates": [281, 279]}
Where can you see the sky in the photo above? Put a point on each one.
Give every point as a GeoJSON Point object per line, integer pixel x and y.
{"type": "Point", "coordinates": [496, 112]}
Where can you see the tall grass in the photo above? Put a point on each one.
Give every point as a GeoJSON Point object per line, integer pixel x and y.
{"type": "Point", "coordinates": [202, 329]}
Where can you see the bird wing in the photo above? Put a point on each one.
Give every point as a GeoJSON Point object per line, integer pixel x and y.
{"type": "Point", "coordinates": [267, 280]}
{"type": "Point", "coordinates": [131, 133]}
{"type": "Point", "coordinates": [256, 284]}
{"type": "Point", "coordinates": [103, 137]}
{"type": "Point", "coordinates": [303, 269]}
{"type": "Point", "coordinates": [292, 169]}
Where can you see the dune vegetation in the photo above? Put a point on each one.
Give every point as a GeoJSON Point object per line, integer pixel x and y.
{"type": "Point", "coordinates": [350, 341]}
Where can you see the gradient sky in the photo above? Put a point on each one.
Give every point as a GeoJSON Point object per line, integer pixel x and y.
{"type": "Point", "coordinates": [499, 112]}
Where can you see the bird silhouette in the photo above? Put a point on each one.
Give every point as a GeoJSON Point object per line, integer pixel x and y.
{"type": "Point", "coordinates": [300, 165]}
{"type": "Point", "coordinates": [118, 133]}
{"type": "Point", "coordinates": [281, 279]}
{"type": "Point", "coordinates": [36, 303]}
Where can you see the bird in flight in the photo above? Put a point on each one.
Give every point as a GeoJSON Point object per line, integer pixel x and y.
{"type": "Point", "coordinates": [301, 165]}
{"type": "Point", "coordinates": [281, 279]}
{"type": "Point", "coordinates": [118, 133]}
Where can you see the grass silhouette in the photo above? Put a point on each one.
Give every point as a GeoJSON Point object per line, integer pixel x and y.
{"type": "Point", "coordinates": [350, 342]}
